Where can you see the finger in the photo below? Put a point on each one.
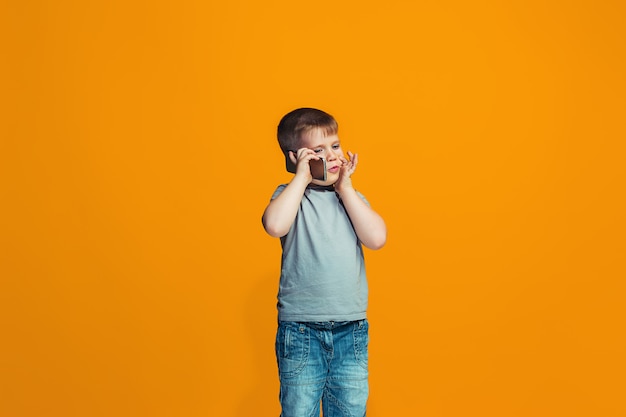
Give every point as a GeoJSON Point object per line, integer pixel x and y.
{"type": "Point", "coordinates": [310, 156]}
{"type": "Point", "coordinates": [355, 159]}
{"type": "Point", "coordinates": [306, 153]}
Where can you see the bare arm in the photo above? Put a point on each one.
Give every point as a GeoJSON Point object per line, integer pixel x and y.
{"type": "Point", "coordinates": [369, 225]}
{"type": "Point", "coordinates": [281, 211]}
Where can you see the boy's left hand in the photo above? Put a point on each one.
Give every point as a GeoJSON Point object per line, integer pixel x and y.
{"type": "Point", "coordinates": [347, 169]}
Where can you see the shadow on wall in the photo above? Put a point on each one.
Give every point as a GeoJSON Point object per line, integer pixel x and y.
{"type": "Point", "coordinates": [261, 379]}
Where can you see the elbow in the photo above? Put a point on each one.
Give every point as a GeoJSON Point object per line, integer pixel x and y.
{"type": "Point", "coordinates": [274, 232]}
{"type": "Point", "coordinates": [376, 242]}
{"type": "Point", "coordinates": [273, 229]}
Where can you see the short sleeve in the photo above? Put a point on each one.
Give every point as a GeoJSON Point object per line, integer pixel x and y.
{"type": "Point", "coordinates": [363, 198]}
{"type": "Point", "coordinates": [279, 190]}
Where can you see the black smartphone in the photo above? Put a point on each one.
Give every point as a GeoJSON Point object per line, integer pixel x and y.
{"type": "Point", "coordinates": [318, 167]}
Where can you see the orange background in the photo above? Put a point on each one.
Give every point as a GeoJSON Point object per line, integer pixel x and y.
{"type": "Point", "coordinates": [138, 152]}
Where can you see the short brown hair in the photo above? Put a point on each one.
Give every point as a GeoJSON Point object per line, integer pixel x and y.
{"type": "Point", "coordinates": [303, 120]}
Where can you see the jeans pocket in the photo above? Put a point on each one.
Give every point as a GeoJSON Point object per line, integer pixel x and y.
{"type": "Point", "coordinates": [361, 342]}
{"type": "Point", "coordinates": [292, 348]}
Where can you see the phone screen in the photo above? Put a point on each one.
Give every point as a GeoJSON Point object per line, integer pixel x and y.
{"type": "Point", "coordinates": [318, 167]}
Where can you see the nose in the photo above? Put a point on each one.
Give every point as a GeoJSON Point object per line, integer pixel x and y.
{"type": "Point", "coordinates": [331, 155]}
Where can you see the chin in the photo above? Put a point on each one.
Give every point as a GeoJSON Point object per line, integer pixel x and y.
{"type": "Point", "coordinates": [328, 182]}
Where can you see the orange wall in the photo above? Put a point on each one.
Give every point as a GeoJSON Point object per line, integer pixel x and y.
{"type": "Point", "coordinates": [137, 153]}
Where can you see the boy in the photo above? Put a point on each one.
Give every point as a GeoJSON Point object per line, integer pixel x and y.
{"type": "Point", "coordinates": [322, 337]}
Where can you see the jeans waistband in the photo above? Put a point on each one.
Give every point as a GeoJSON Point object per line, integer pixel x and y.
{"type": "Point", "coordinates": [327, 325]}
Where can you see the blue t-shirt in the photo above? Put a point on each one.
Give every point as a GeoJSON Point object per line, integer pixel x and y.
{"type": "Point", "coordinates": [322, 270]}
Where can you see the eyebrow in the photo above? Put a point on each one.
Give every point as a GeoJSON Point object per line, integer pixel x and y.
{"type": "Point", "coordinates": [321, 146]}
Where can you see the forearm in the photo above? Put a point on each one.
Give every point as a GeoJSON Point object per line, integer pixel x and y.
{"type": "Point", "coordinates": [281, 212]}
{"type": "Point", "coordinates": [369, 225]}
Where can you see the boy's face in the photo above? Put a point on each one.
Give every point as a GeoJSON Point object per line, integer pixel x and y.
{"type": "Point", "coordinates": [326, 147]}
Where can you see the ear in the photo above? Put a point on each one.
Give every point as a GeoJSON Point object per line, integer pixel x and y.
{"type": "Point", "coordinates": [292, 156]}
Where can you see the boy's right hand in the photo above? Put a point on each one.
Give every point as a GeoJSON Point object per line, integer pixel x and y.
{"type": "Point", "coordinates": [301, 159]}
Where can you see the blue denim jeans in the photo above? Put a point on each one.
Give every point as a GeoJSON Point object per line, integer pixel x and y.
{"type": "Point", "coordinates": [323, 362]}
